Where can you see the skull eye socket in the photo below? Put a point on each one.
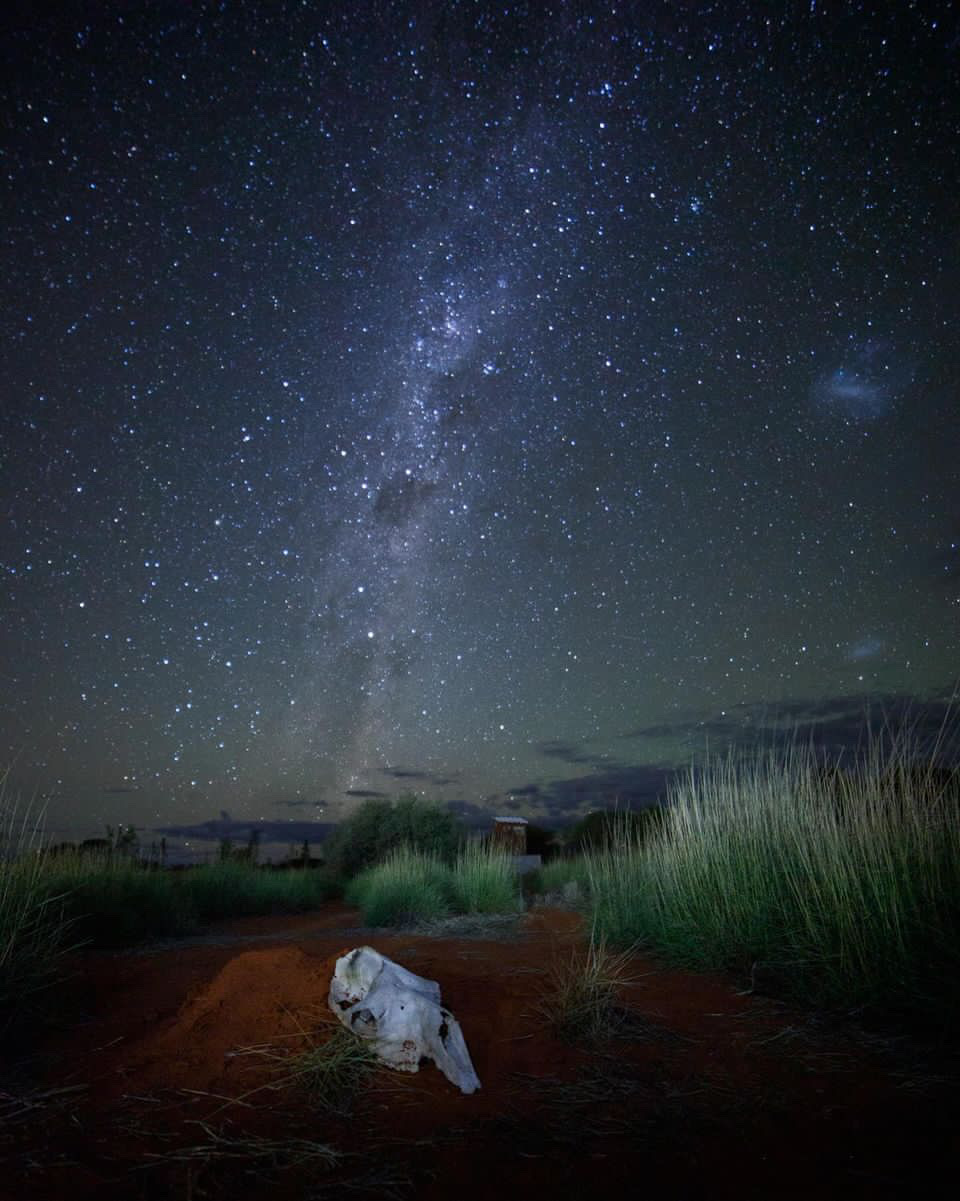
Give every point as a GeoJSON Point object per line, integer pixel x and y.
{"type": "Point", "coordinates": [363, 1017]}
{"type": "Point", "coordinates": [443, 1031]}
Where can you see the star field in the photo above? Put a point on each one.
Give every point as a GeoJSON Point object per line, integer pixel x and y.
{"type": "Point", "coordinates": [488, 400]}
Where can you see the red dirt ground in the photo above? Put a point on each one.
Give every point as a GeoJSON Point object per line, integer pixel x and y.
{"type": "Point", "coordinates": [707, 1093]}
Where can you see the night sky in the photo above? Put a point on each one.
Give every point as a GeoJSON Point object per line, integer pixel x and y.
{"type": "Point", "coordinates": [503, 402]}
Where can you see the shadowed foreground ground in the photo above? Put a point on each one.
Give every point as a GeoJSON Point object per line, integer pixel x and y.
{"type": "Point", "coordinates": [705, 1092]}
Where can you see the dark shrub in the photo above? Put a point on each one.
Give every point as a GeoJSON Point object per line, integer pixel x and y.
{"type": "Point", "coordinates": [542, 842]}
{"type": "Point", "coordinates": [605, 827]}
{"type": "Point", "coordinates": [379, 827]}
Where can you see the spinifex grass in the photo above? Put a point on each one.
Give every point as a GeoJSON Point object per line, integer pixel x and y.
{"type": "Point", "coordinates": [484, 881]}
{"type": "Point", "coordinates": [410, 886]}
{"type": "Point", "coordinates": [331, 1067]}
{"type": "Point", "coordinates": [33, 930]}
{"type": "Point", "coordinates": [223, 890]}
{"type": "Point", "coordinates": [406, 887]}
{"type": "Point", "coordinates": [115, 900]}
{"type": "Point", "coordinates": [835, 888]}
{"type": "Point", "coordinates": [582, 989]}
{"type": "Point", "coordinates": [112, 901]}
{"type": "Point", "coordinates": [332, 1072]}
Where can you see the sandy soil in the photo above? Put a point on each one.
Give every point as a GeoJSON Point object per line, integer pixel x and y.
{"type": "Point", "coordinates": [705, 1093]}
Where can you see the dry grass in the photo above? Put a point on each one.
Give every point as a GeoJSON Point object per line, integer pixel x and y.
{"type": "Point", "coordinates": [332, 1068]}
{"type": "Point", "coordinates": [581, 993]}
{"type": "Point", "coordinates": [251, 1149]}
{"type": "Point", "coordinates": [333, 1072]}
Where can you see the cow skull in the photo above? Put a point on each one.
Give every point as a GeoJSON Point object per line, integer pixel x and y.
{"type": "Point", "coordinates": [401, 1014]}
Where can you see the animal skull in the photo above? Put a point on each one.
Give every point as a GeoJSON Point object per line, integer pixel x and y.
{"type": "Point", "coordinates": [402, 1014]}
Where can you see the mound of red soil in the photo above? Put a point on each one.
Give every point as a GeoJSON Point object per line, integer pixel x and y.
{"type": "Point", "coordinates": [702, 1090]}
{"type": "Point", "coordinates": [261, 997]}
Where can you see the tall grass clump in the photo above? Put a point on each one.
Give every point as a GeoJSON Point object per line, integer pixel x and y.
{"type": "Point", "coordinates": [34, 935]}
{"type": "Point", "coordinates": [112, 900]}
{"type": "Point", "coordinates": [407, 887]}
{"type": "Point", "coordinates": [484, 881]}
{"type": "Point", "coordinates": [240, 889]}
{"type": "Point", "coordinates": [836, 887]}
{"type": "Point", "coordinates": [410, 886]}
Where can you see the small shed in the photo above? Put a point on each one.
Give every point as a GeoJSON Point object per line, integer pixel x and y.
{"type": "Point", "coordinates": [510, 834]}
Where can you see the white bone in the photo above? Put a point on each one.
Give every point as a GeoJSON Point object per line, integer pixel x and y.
{"type": "Point", "coordinates": [402, 1014]}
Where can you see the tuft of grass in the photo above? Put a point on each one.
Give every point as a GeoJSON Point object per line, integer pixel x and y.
{"type": "Point", "coordinates": [835, 888]}
{"type": "Point", "coordinates": [34, 933]}
{"type": "Point", "coordinates": [581, 992]}
{"type": "Point", "coordinates": [407, 887]}
{"type": "Point", "coordinates": [484, 881]}
{"type": "Point", "coordinates": [331, 1069]}
{"type": "Point", "coordinates": [334, 1072]}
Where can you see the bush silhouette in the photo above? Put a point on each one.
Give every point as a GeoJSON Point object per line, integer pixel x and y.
{"type": "Point", "coordinates": [381, 826]}
{"type": "Point", "coordinates": [608, 827]}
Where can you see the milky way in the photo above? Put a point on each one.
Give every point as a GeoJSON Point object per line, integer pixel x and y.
{"type": "Point", "coordinates": [499, 402]}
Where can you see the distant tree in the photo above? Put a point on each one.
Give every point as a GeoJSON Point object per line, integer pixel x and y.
{"type": "Point", "coordinates": [226, 850]}
{"type": "Point", "coordinates": [379, 826]}
{"type": "Point", "coordinates": [542, 842]}
{"type": "Point", "coordinates": [123, 840]}
{"type": "Point", "coordinates": [605, 827]}
{"type": "Point", "coordinates": [95, 846]}
{"type": "Point", "coordinates": [57, 849]}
